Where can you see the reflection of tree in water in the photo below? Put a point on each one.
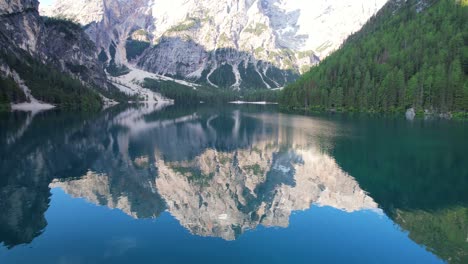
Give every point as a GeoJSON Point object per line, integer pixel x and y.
{"type": "Point", "coordinates": [114, 160]}
{"type": "Point", "coordinates": [221, 173]}
{"type": "Point", "coordinates": [418, 175]}
{"type": "Point", "coordinates": [28, 164]}
{"type": "Point", "coordinates": [22, 213]}
{"type": "Point", "coordinates": [443, 232]}
{"type": "Point", "coordinates": [43, 153]}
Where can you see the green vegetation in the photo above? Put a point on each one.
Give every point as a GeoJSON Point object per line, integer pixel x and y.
{"type": "Point", "coordinates": [50, 85]}
{"type": "Point", "coordinates": [140, 33]}
{"type": "Point", "coordinates": [184, 26]}
{"type": "Point", "coordinates": [9, 93]}
{"type": "Point", "coordinates": [305, 54]}
{"type": "Point", "coordinates": [113, 68]}
{"type": "Point", "coordinates": [280, 76]}
{"type": "Point", "coordinates": [136, 44]}
{"type": "Point", "coordinates": [116, 70]}
{"type": "Point", "coordinates": [257, 29]}
{"type": "Point", "coordinates": [402, 58]}
{"type": "Point", "coordinates": [135, 48]}
{"type": "Point", "coordinates": [181, 93]}
{"type": "Point", "coordinates": [115, 94]}
{"type": "Point", "coordinates": [254, 169]}
{"type": "Point", "coordinates": [224, 40]}
{"type": "Point", "coordinates": [250, 76]}
{"type": "Point", "coordinates": [102, 57]}
{"type": "Point", "coordinates": [63, 25]}
{"type": "Point", "coordinates": [258, 51]}
{"type": "Point", "coordinates": [224, 159]}
{"type": "Point", "coordinates": [223, 76]}
{"type": "Point", "coordinates": [324, 46]}
{"type": "Point", "coordinates": [61, 22]}
{"type": "Point", "coordinates": [194, 175]}
{"type": "Point", "coordinates": [260, 95]}
{"type": "Point", "coordinates": [415, 172]}
{"type": "Point", "coordinates": [442, 232]}
{"type": "Point", "coordinates": [208, 94]}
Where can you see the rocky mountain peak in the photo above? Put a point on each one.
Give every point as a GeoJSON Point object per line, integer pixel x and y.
{"type": "Point", "coordinates": [251, 43]}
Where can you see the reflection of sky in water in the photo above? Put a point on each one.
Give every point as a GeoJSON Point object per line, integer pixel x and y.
{"type": "Point", "coordinates": [209, 186]}
{"type": "Point", "coordinates": [221, 174]}
{"type": "Point", "coordinates": [321, 234]}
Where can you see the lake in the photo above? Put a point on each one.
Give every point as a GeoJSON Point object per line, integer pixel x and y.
{"type": "Point", "coordinates": [233, 184]}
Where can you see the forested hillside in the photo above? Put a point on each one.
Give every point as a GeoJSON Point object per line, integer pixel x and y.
{"type": "Point", "coordinates": [48, 60]}
{"type": "Point", "coordinates": [213, 95]}
{"type": "Point", "coordinates": [412, 54]}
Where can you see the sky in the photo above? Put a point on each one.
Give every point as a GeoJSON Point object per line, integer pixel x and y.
{"type": "Point", "coordinates": [46, 2]}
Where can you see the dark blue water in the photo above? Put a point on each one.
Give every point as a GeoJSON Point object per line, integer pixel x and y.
{"type": "Point", "coordinates": [231, 185]}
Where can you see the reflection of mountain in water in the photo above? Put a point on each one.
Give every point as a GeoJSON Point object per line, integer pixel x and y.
{"type": "Point", "coordinates": [41, 153]}
{"type": "Point", "coordinates": [417, 173]}
{"type": "Point", "coordinates": [225, 193]}
{"type": "Point", "coordinates": [97, 189]}
{"type": "Point", "coordinates": [221, 172]}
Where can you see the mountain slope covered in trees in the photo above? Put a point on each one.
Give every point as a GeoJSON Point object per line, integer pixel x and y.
{"type": "Point", "coordinates": [46, 60]}
{"type": "Point", "coordinates": [411, 54]}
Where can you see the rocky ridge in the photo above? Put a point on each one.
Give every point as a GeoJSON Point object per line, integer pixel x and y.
{"type": "Point", "coordinates": [251, 43]}
{"type": "Point", "coordinates": [50, 41]}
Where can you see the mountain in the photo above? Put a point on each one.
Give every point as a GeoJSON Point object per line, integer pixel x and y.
{"type": "Point", "coordinates": [228, 43]}
{"type": "Point", "coordinates": [413, 54]}
{"type": "Point", "coordinates": [48, 60]}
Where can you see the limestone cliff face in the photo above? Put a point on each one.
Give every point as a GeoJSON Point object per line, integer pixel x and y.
{"type": "Point", "coordinates": [25, 35]}
{"type": "Point", "coordinates": [70, 49]}
{"type": "Point", "coordinates": [17, 6]}
{"type": "Point", "coordinates": [21, 25]}
{"type": "Point", "coordinates": [250, 43]}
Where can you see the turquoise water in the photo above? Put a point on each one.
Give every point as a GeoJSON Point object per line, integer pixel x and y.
{"type": "Point", "coordinates": [238, 184]}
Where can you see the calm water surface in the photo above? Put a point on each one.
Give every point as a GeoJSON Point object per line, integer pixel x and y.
{"type": "Point", "coordinates": [231, 185]}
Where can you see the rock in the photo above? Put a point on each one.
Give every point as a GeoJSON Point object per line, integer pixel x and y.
{"type": "Point", "coordinates": [70, 49]}
{"type": "Point", "coordinates": [61, 44]}
{"type": "Point", "coordinates": [446, 115]}
{"type": "Point", "coordinates": [410, 114]}
{"type": "Point", "coordinates": [255, 43]}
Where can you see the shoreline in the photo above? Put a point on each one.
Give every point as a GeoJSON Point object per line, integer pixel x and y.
{"type": "Point", "coordinates": [418, 115]}
{"type": "Point", "coordinates": [256, 103]}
